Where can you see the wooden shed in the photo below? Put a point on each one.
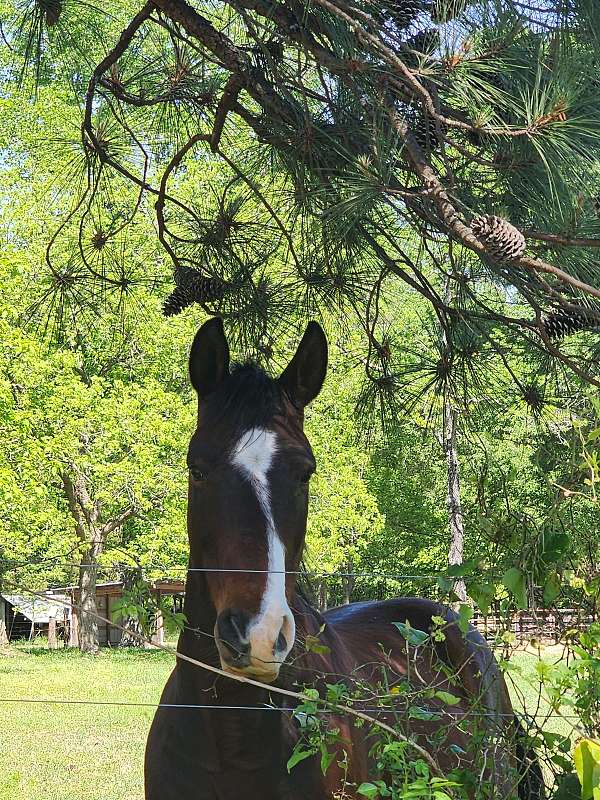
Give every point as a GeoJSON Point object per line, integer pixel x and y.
{"type": "Point", "coordinates": [27, 616]}
{"type": "Point", "coordinates": [108, 595]}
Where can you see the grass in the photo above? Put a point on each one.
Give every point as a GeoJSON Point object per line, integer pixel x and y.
{"type": "Point", "coordinates": [84, 752]}
{"type": "Point", "coordinates": [71, 752]}
{"type": "Point", "coordinates": [524, 688]}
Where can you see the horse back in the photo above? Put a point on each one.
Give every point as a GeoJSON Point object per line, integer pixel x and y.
{"type": "Point", "coordinates": [458, 666]}
{"type": "Point", "coordinates": [367, 630]}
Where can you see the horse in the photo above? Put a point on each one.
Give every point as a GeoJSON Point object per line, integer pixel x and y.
{"type": "Point", "coordinates": [214, 738]}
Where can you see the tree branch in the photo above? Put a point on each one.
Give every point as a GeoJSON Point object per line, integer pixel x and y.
{"type": "Point", "coordinates": [119, 520]}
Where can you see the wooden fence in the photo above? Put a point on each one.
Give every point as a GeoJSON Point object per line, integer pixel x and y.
{"type": "Point", "coordinates": [541, 624]}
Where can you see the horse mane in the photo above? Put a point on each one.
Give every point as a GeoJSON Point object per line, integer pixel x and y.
{"type": "Point", "coordinates": [247, 398]}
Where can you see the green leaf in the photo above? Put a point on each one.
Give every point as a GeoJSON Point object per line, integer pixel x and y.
{"type": "Point", "coordinates": [482, 594]}
{"type": "Point", "coordinates": [412, 635]}
{"type": "Point", "coordinates": [556, 544]}
{"type": "Point", "coordinates": [460, 570]}
{"type": "Point", "coordinates": [587, 764]}
{"type": "Point", "coordinates": [297, 756]}
{"type": "Point", "coordinates": [552, 588]}
{"type": "Point", "coordinates": [446, 697]}
{"type": "Point", "coordinates": [313, 645]}
{"type": "Point", "coordinates": [312, 694]}
{"type": "Point", "coordinates": [326, 758]}
{"type": "Point", "coordinates": [368, 790]}
{"type": "Point", "coordinates": [414, 712]}
{"type": "Point", "coordinates": [514, 580]}
{"type": "Point", "coordinates": [593, 435]}
{"type": "Point", "coordinates": [465, 615]}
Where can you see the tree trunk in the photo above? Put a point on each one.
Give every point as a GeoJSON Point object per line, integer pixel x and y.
{"type": "Point", "coordinates": [457, 531]}
{"type": "Point", "coordinates": [89, 640]}
{"type": "Point", "coordinates": [130, 578]}
{"type": "Point", "coordinates": [92, 532]}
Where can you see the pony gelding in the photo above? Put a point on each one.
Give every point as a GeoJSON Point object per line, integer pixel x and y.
{"type": "Point", "coordinates": [249, 469]}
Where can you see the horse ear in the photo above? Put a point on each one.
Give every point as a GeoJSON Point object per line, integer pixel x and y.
{"type": "Point", "coordinates": [209, 357]}
{"type": "Point", "coordinates": [304, 375]}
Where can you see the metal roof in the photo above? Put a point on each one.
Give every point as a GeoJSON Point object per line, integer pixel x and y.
{"type": "Point", "coordinates": [37, 609]}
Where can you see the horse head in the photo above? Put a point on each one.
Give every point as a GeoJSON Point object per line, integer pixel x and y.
{"type": "Point", "coordinates": [250, 464]}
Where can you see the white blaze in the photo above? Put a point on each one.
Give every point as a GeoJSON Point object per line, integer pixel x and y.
{"type": "Point", "coordinates": [253, 456]}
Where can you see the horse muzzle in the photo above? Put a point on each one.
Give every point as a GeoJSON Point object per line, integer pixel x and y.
{"type": "Point", "coordinates": [255, 648]}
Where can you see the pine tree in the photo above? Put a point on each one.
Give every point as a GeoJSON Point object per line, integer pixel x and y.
{"type": "Point", "coordinates": [422, 140]}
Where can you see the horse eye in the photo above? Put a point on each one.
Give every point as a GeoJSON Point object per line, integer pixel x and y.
{"type": "Point", "coordinates": [198, 474]}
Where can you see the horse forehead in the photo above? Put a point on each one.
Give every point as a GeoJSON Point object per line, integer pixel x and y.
{"type": "Point", "coordinates": [254, 451]}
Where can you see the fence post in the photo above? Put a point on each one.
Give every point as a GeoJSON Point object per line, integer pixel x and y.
{"type": "Point", "coordinates": [52, 640]}
{"type": "Point", "coordinates": [74, 628]}
{"type": "Point", "coordinates": [520, 626]}
{"type": "Point", "coordinates": [3, 631]}
{"type": "Point", "coordinates": [159, 622]}
{"type": "Point", "coordinates": [323, 594]}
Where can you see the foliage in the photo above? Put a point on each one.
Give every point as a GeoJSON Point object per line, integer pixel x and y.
{"type": "Point", "coordinates": [137, 603]}
{"type": "Point", "coordinates": [126, 437]}
{"type": "Point", "coordinates": [305, 172]}
{"type": "Point", "coordinates": [336, 190]}
{"type": "Point", "coordinates": [587, 762]}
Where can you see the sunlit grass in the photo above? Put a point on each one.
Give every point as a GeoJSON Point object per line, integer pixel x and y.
{"type": "Point", "coordinates": [77, 752]}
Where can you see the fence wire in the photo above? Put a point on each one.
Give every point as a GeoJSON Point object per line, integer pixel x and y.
{"type": "Point", "coordinates": [283, 709]}
{"type": "Point", "coordinates": [119, 566]}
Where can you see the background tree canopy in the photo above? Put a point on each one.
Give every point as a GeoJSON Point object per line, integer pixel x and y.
{"type": "Point", "coordinates": [352, 149]}
{"type": "Point", "coordinates": [420, 176]}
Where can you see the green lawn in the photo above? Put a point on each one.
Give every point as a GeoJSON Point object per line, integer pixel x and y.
{"type": "Point", "coordinates": [81, 752]}
{"type": "Point", "coordinates": [70, 752]}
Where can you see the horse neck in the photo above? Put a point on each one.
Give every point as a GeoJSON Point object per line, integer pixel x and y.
{"type": "Point", "coordinates": [197, 639]}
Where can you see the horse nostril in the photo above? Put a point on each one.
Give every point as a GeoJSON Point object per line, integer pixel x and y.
{"type": "Point", "coordinates": [239, 652]}
{"type": "Point", "coordinates": [231, 631]}
{"type": "Point", "coordinates": [280, 644]}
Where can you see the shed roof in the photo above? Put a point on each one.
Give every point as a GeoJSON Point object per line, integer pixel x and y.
{"type": "Point", "coordinates": [37, 609]}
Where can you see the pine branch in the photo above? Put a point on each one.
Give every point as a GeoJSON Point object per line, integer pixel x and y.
{"type": "Point", "coordinates": [563, 241]}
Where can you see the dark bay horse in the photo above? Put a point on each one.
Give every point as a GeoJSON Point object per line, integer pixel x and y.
{"type": "Point", "coordinates": [249, 469]}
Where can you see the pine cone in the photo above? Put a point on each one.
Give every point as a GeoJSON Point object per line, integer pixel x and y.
{"type": "Point", "coordinates": [559, 324]}
{"type": "Point", "coordinates": [51, 9]}
{"type": "Point", "coordinates": [425, 131]}
{"type": "Point", "coordinates": [402, 13]}
{"type": "Point", "coordinates": [192, 287]}
{"type": "Point", "coordinates": [502, 241]}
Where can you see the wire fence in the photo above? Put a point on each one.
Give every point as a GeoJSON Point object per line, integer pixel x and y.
{"type": "Point", "coordinates": [281, 709]}
{"type": "Point", "coordinates": [492, 626]}
{"type": "Point", "coordinates": [374, 714]}
{"type": "Point", "coordinates": [331, 588]}
{"type": "Point", "coordinates": [122, 566]}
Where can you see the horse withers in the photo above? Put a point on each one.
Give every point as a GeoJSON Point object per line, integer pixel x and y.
{"type": "Point", "coordinates": [214, 738]}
